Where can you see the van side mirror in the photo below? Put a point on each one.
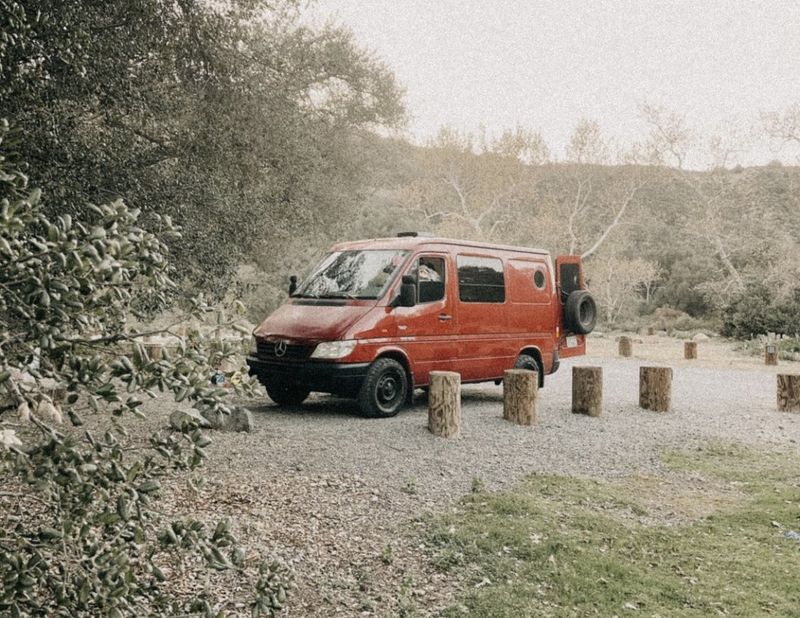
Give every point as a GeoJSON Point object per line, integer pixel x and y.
{"type": "Point", "coordinates": [292, 284]}
{"type": "Point", "coordinates": [408, 291]}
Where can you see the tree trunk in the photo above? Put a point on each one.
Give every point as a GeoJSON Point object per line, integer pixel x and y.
{"type": "Point", "coordinates": [788, 392]}
{"type": "Point", "coordinates": [520, 391]}
{"type": "Point", "coordinates": [587, 390]}
{"type": "Point", "coordinates": [444, 403]}
{"type": "Point", "coordinates": [625, 346]}
{"type": "Point", "coordinates": [690, 350]}
{"type": "Point", "coordinates": [771, 354]}
{"type": "Point", "coordinates": [655, 388]}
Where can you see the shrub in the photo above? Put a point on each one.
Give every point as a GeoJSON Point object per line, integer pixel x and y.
{"type": "Point", "coordinates": [79, 534]}
{"type": "Point", "coordinates": [757, 311]}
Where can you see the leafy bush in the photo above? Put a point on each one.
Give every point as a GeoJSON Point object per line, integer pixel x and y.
{"type": "Point", "coordinates": [79, 534]}
{"type": "Point", "coordinates": [756, 311]}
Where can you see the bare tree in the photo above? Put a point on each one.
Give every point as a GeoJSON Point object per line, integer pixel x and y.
{"type": "Point", "coordinates": [670, 143]}
{"type": "Point", "coordinates": [783, 126]}
{"type": "Point", "coordinates": [618, 282]}
{"type": "Point", "coordinates": [472, 187]}
{"type": "Point", "coordinates": [670, 138]}
{"type": "Point", "coordinates": [592, 215]}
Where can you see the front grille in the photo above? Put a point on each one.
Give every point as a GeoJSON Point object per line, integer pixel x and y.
{"type": "Point", "coordinates": [266, 350]}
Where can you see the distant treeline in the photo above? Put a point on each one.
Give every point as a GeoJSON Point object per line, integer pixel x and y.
{"type": "Point", "coordinates": [256, 133]}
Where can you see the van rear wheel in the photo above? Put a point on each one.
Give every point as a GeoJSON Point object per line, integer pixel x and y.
{"type": "Point", "coordinates": [526, 361]}
{"type": "Point", "coordinates": [384, 389]}
{"type": "Point", "coordinates": [286, 394]}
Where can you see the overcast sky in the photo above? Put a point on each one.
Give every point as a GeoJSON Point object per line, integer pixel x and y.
{"type": "Point", "coordinates": [545, 64]}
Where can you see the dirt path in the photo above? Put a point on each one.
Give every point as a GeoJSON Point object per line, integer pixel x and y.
{"type": "Point", "coordinates": [337, 496]}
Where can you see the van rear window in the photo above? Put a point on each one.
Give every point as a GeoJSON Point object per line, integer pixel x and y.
{"type": "Point", "coordinates": [480, 279]}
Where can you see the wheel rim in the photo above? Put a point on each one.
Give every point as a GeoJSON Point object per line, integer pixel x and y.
{"type": "Point", "coordinates": [388, 390]}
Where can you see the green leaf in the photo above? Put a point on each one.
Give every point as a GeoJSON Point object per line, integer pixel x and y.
{"type": "Point", "coordinates": [149, 487]}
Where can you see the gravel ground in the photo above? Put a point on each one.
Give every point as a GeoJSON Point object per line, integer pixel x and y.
{"type": "Point", "coordinates": [339, 496]}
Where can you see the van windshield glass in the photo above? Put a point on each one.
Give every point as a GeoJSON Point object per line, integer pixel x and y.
{"type": "Point", "coordinates": [352, 274]}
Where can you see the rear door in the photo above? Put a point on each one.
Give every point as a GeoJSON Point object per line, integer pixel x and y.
{"type": "Point", "coordinates": [427, 330]}
{"type": "Point", "coordinates": [569, 278]}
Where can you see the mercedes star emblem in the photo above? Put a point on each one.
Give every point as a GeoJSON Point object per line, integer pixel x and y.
{"type": "Point", "coordinates": [280, 348]}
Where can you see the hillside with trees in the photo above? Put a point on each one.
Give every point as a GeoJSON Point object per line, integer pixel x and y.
{"type": "Point", "coordinates": [652, 234]}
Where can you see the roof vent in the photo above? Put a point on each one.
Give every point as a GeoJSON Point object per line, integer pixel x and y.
{"type": "Point", "coordinates": [414, 234]}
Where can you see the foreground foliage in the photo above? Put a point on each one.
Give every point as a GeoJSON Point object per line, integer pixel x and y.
{"type": "Point", "coordinates": [573, 547]}
{"type": "Point", "coordinates": [79, 530]}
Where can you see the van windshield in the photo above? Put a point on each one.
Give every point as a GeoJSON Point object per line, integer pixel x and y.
{"type": "Point", "coordinates": [352, 274]}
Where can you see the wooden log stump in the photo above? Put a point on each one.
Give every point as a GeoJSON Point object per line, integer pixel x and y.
{"type": "Point", "coordinates": [520, 391]}
{"type": "Point", "coordinates": [651, 331]}
{"type": "Point", "coordinates": [587, 390]}
{"type": "Point", "coordinates": [788, 392]}
{"type": "Point", "coordinates": [625, 346]}
{"type": "Point", "coordinates": [690, 350]}
{"type": "Point", "coordinates": [153, 351]}
{"type": "Point", "coordinates": [771, 354]}
{"type": "Point", "coordinates": [655, 388]}
{"type": "Point", "coordinates": [444, 403]}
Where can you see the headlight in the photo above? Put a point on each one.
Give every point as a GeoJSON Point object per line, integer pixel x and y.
{"type": "Point", "coordinates": [334, 349]}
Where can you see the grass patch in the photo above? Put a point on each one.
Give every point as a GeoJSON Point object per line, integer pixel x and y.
{"type": "Point", "coordinates": [706, 540]}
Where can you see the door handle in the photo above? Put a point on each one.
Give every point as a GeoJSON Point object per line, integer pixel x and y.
{"type": "Point", "coordinates": [443, 317]}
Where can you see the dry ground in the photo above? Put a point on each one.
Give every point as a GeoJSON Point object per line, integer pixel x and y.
{"type": "Point", "coordinates": [339, 497]}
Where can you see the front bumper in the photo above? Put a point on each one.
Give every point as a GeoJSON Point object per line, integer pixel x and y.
{"type": "Point", "coordinates": [320, 376]}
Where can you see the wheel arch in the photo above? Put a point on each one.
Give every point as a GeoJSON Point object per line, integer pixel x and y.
{"type": "Point", "coordinates": [401, 357]}
{"type": "Point", "coordinates": [536, 353]}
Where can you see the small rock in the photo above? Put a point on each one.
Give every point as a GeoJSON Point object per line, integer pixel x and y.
{"type": "Point", "coordinates": [180, 417]}
{"type": "Point", "coordinates": [239, 419]}
{"type": "Point", "coordinates": [701, 337]}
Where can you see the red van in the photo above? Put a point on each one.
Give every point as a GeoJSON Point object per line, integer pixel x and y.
{"type": "Point", "coordinates": [375, 317]}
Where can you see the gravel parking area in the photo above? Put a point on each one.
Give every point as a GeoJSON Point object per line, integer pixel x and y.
{"type": "Point", "coordinates": [337, 495]}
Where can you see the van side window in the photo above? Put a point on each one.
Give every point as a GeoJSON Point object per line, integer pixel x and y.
{"type": "Point", "coordinates": [569, 280]}
{"type": "Point", "coordinates": [480, 279]}
{"type": "Point", "coordinates": [430, 273]}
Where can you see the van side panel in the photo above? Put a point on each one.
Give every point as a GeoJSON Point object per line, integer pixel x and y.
{"type": "Point", "coordinates": [531, 298]}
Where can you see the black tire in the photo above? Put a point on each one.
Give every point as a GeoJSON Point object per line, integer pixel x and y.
{"type": "Point", "coordinates": [384, 390]}
{"type": "Point", "coordinates": [526, 361]}
{"type": "Point", "coordinates": [286, 394]}
{"type": "Point", "coordinates": [580, 314]}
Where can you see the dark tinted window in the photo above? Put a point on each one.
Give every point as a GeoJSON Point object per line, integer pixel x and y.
{"type": "Point", "coordinates": [480, 279]}
{"type": "Point", "coordinates": [430, 279]}
{"type": "Point", "coordinates": [538, 279]}
{"type": "Point", "coordinates": [569, 280]}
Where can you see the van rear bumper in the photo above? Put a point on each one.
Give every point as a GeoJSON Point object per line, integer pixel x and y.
{"type": "Point", "coordinates": [320, 376]}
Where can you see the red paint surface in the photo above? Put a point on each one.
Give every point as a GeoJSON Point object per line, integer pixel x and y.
{"type": "Point", "coordinates": [478, 340]}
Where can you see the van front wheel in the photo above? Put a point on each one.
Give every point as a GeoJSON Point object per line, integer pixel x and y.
{"type": "Point", "coordinates": [285, 394]}
{"type": "Point", "coordinates": [384, 389]}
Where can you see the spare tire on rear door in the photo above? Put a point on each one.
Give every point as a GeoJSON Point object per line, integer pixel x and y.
{"type": "Point", "coordinates": [580, 313]}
